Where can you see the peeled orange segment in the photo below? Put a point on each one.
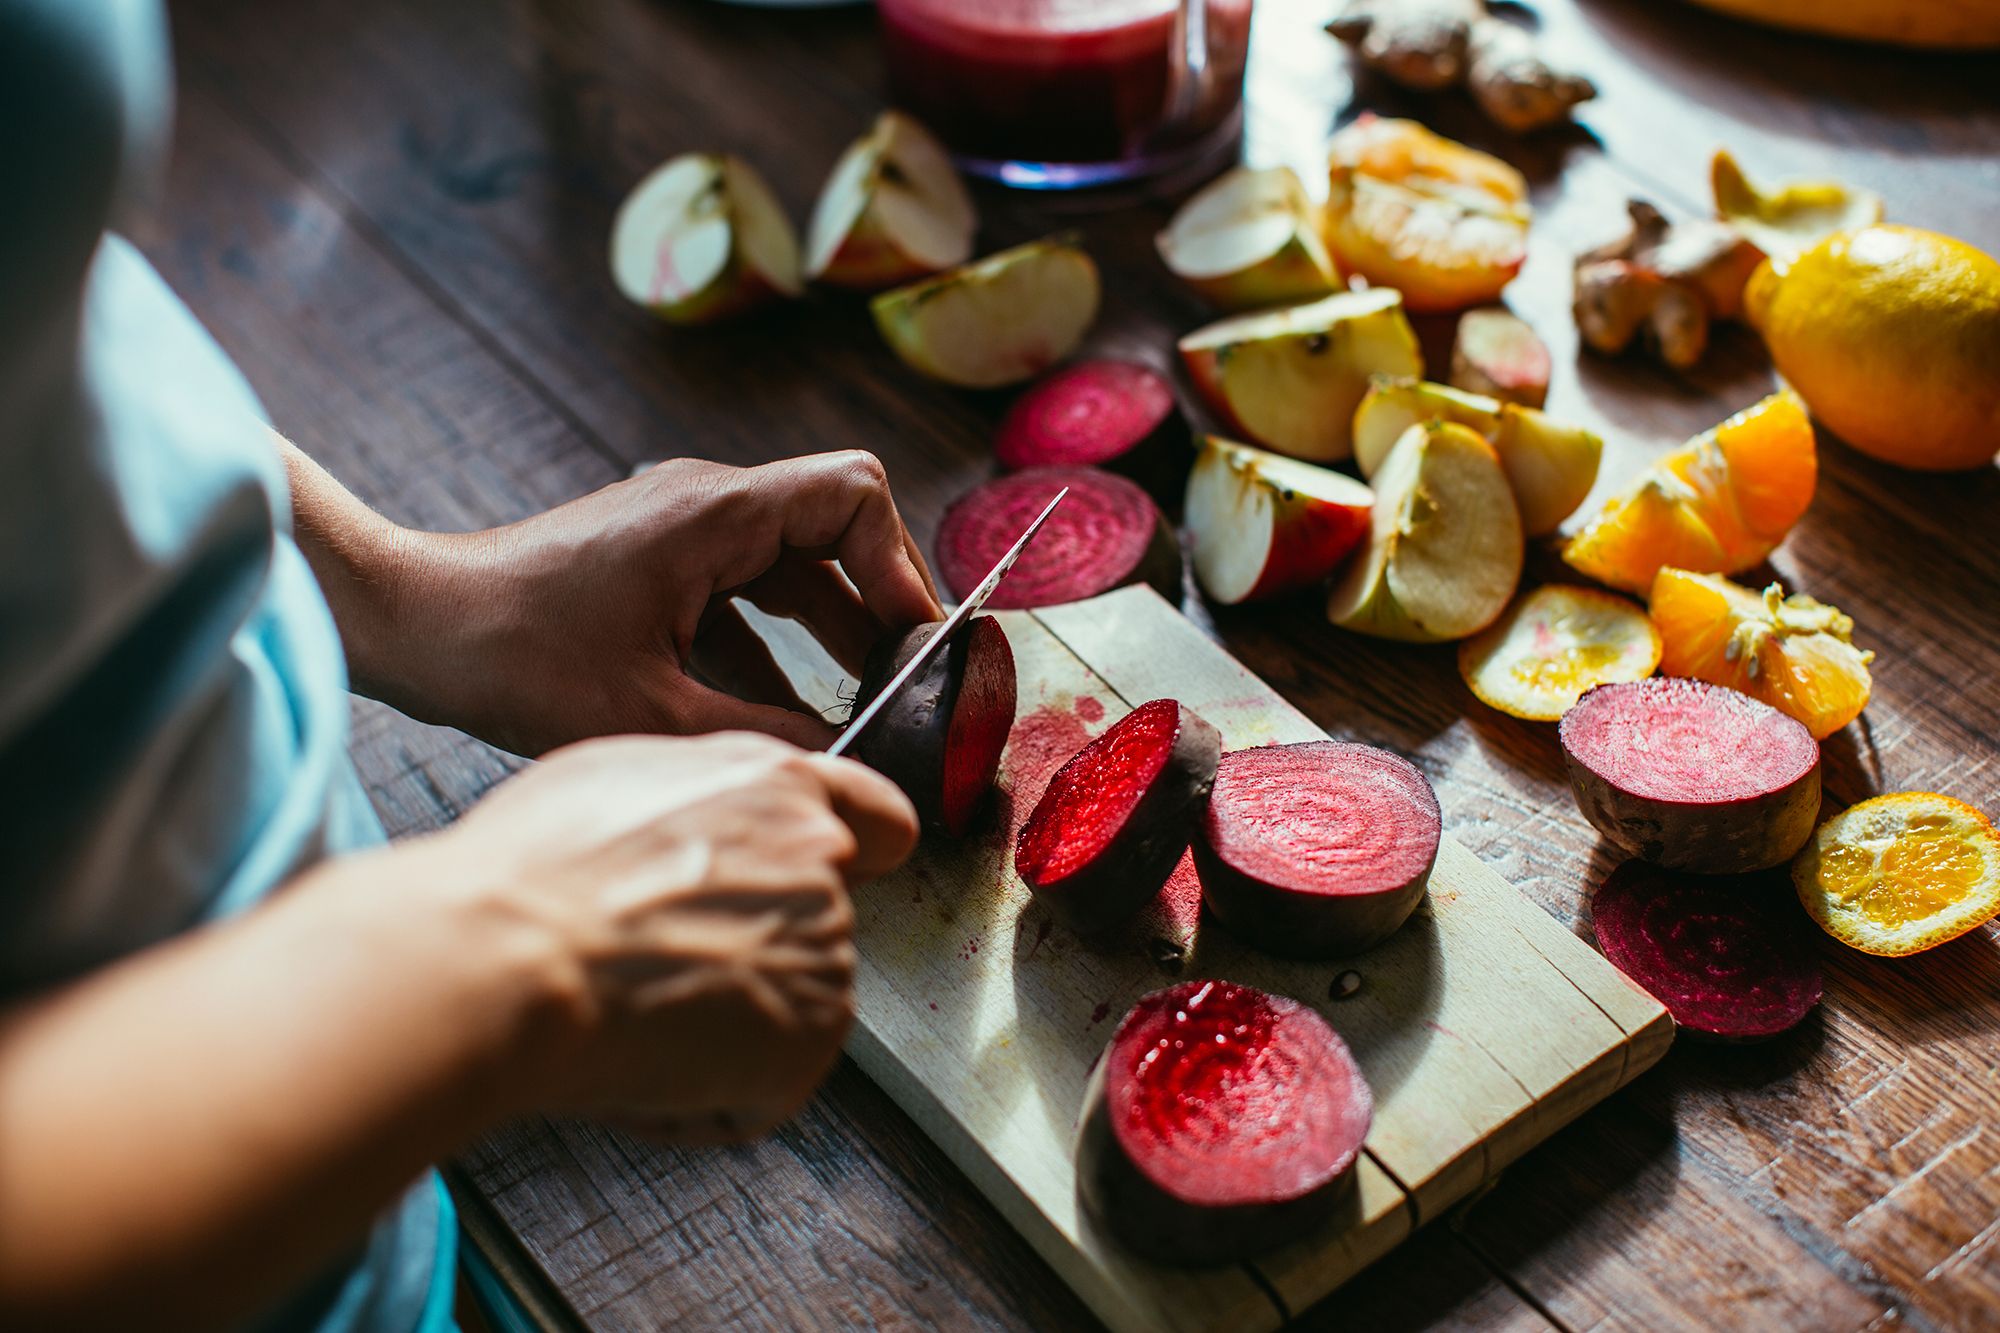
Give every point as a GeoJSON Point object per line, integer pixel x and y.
{"type": "Point", "coordinates": [1552, 645]}
{"type": "Point", "coordinates": [1718, 504]}
{"type": "Point", "coordinates": [1901, 873]}
{"type": "Point", "coordinates": [1794, 653]}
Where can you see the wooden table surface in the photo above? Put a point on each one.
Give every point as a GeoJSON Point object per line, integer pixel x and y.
{"type": "Point", "coordinates": [393, 213]}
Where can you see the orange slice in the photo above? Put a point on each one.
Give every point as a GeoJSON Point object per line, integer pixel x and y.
{"type": "Point", "coordinates": [1901, 873]}
{"type": "Point", "coordinates": [1552, 645]}
{"type": "Point", "coordinates": [1718, 504]}
{"type": "Point", "coordinates": [1794, 653]}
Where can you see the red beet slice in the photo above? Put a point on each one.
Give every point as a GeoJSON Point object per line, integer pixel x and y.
{"type": "Point", "coordinates": [1115, 819]}
{"type": "Point", "coordinates": [1730, 956]}
{"type": "Point", "coordinates": [1691, 775]}
{"type": "Point", "coordinates": [1318, 849]}
{"type": "Point", "coordinates": [940, 739]}
{"type": "Point", "coordinates": [1113, 414]}
{"type": "Point", "coordinates": [1106, 534]}
{"type": "Point", "coordinates": [1220, 1122]}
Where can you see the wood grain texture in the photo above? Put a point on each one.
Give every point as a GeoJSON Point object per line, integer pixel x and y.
{"type": "Point", "coordinates": [392, 213]}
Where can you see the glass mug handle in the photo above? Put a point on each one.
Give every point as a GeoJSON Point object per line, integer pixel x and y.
{"type": "Point", "coordinates": [1189, 74]}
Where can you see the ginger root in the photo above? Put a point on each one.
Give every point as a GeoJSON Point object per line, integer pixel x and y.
{"type": "Point", "coordinates": [1430, 45]}
{"type": "Point", "coordinates": [1665, 281]}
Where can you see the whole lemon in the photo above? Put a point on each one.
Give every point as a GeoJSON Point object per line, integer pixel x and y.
{"type": "Point", "coordinates": [1892, 334]}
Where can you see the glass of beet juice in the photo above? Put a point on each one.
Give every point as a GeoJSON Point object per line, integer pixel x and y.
{"type": "Point", "coordinates": [1060, 94]}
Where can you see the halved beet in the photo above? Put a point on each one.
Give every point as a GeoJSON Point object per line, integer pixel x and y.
{"type": "Point", "coordinates": [940, 739]}
{"type": "Point", "coordinates": [1691, 775]}
{"type": "Point", "coordinates": [1221, 1121]}
{"type": "Point", "coordinates": [1115, 819]}
{"type": "Point", "coordinates": [1114, 414]}
{"type": "Point", "coordinates": [1730, 956]}
{"type": "Point", "coordinates": [1317, 849]}
{"type": "Point", "coordinates": [1106, 534]}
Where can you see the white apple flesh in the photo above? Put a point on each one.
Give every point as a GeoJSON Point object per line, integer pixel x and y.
{"type": "Point", "coordinates": [1263, 525]}
{"type": "Point", "coordinates": [1250, 238]}
{"type": "Point", "coordinates": [702, 238]}
{"type": "Point", "coordinates": [893, 211]}
{"type": "Point", "coordinates": [996, 321]}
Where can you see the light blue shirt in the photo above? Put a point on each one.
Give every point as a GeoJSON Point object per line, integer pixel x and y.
{"type": "Point", "coordinates": [173, 711]}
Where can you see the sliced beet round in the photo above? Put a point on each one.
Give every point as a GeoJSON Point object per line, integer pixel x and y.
{"type": "Point", "coordinates": [1115, 819]}
{"type": "Point", "coordinates": [1691, 775]}
{"type": "Point", "coordinates": [1114, 414]}
{"type": "Point", "coordinates": [1318, 849]}
{"type": "Point", "coordinates": [940, 739]}
{"type": "Point", "coordinates": [1106, 534]}
{"type": "Point", "coordinates": [1221, 1121]}
{"type": "Point", "coordinates": [1730, 956]}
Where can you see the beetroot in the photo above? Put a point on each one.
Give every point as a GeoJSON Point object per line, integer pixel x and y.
{"type": "Point", "coordinates": [1318, 849]}
{"type": "Point", "coordinates": [1106, 534]}
{"type": "Point", "coordinates": [1691, 775]}
{"type": "Point", "coordinates": [940, 739]}
{"type": "Point", "coordinates": [1115, 819]}
{"type": "Point", "coordinates": [1220, 1122]}
{"type": "Point", "coordinates": [1730, 956]}
{"type": "Point", "coordinates": [1113, 414]}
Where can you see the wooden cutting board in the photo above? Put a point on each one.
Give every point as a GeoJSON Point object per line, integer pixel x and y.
{"type": "Point", "coordinates": [1483, 1025]}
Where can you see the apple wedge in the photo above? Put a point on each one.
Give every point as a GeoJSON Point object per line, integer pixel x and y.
{"type": "Point", "coordinates": [996, 321]}
{"type": "Point", "coordinates": [893, 211]}
{"type": "Point", "coordinates": [1444, 542]}
{"type": "Point", "coordinates": [702, 238]}
{"type": "Point", "coordinates": [1494, 352]}
{"type": "Point", "coordinates": [1550, 465]}
{"type": "Point", "coordinates": [1250, 238]}
{"type": "Point", "coordinates": [1263, 525]}
{"type": "Point", "coordinates": [1290, 379]}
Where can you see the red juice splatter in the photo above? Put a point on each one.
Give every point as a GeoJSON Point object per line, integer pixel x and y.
{"type": "Point", "coordinates": [1089, 708]}
{"type": "Point", "coordinates": [1099, 1014]}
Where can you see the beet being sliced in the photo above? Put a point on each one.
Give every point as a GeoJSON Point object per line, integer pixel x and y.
{"type": "Point", "coordinates": [1115, 819]}
{"type": "Point", "coordinates": [1317, 849]}
{"type": "Point", "coordinates": [1691, 775]}
{"type": "Point", "coordinates": [1221, 1121]}
{"type": "Point", "coordinates": [1106, 534]}
{"type": "Point", "coordinates": [940, 739]}
{"type": "Point", "coordinates": [1730, 956]}
{"type": "Point", "coordinates": [1114, 414]}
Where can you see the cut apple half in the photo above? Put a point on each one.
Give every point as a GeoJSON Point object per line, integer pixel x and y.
{"type": "Point", "coordinates": [1444, 542]}
{"type": "Point", "coordinates": [997, 321]}
{"type": "Point", "coordinates": [1555, 643]}
{"type": "Point", "coordinates": [702, 238]}
{"type": "Point", "coordinates": [1250, 238]}
{"type": "Point", "coordinates": [893, 211]}
{"type": "Point", "coordinates": [1290, 379]}
{"type": "Point", "coordinates": [1394, 404]}
{"type": "Point", "coordinates": [1263, 525]}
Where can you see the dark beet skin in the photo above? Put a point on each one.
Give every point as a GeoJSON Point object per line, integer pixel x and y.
{"type": "Point", "coordinates": [1692, 776]}
{"type": "Point", "coordinates": [1192, 1150]}
{"type": "Point", "coordinates": [1112, 414]}
{"type": "Point", "coordinates": [940, 739]}
{"type": "Point", "coordinates": [1730, 956]}
{"type": "Point", "coordinates": [1319, 849]}
{"type": "Point", "coordinates": [1106, 534]}
{"type": "Point", "coordinates": [1114, 821]}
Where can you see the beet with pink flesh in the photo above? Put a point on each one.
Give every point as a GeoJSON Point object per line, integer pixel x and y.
{"type": "Point", "coordinates": [1113, 414]}
{"type": "Point", "coordinates": [1107, 533]}
{"type": "Point", "coordinates": [940, 739]}
{"type": "Point", "coordinates": [1115, 819]}
{"type": "Point", "coordinates": [1220, 1122]}
{"type": "Point", "coordinates": [1691, 775]}
{"type": "Point", "coordinates": [1317, 849]}
{"type": "Point", "coordinates": [1730, 956]}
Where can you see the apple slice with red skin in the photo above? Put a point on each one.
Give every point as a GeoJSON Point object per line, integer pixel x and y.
{"type": "Point", "coordinates": [1494, 352]}
{"type": "Point", "coordinates": [893, 211]}
{"type": "Point", "coordinates": [995, 321]}
{"type": "Point", "coordinates": [940, 738]}
{"type": "Point", "coordinates": [1263, 525]}
{"type": "Point", "coordinates": [1220, 1122]}
{"type": "Point", "coordinates": [702, 238]}
{"type": "Point", "coordinates": [1250, 238]}
{"type": "Point", "coordinates": [1105, 534]}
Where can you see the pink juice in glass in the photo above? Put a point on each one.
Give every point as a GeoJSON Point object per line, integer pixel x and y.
{"type": "Point", "coordinates": [1091, 89]}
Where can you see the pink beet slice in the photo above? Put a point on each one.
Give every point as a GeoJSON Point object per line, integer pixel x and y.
{"type": "Point", "coordinates": [1115, 819]}
{"type": "Point", "coordinates": [1114, 414]}
{"type": "Point", "coordinates": [1730, 956]}
{"type": "Point", "coordinates": [1318, 849]}
{"type": "Point", "coordinates": [940, 739]}
{"type": "Point", "coordinates": [1106, 534]}
{"type": "Point", "coordinates": [1220, 1122]}
{"type": "Point", "coordinates": [1691, 775]}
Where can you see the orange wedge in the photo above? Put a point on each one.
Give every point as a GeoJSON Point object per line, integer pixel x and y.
{"type": "Point", "coordinates": [1552, 645]}
{"type": "Point", "coordinates": [1794, 653]}
{"type": "Point", "coordinates": [1718, 504]}
{"type": "Point", "coordinates": [1901, 873]}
